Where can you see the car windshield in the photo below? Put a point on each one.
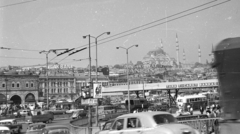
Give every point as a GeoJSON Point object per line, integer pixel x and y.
{"type": "Point", "coordinates": [36, 127]}
{"type": "Point", "coordinates": [164, 118]}
{"type": "Point", "coordinates": [4, 132]}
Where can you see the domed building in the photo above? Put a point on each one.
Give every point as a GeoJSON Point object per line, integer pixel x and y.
{"type": "Point", "coordinates": [158, 57]}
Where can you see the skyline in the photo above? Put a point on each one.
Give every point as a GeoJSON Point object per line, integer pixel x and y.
{"type": "Point", "coordinates": [43, 25]}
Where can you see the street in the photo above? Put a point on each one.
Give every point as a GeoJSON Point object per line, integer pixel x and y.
{"type": "Point", "coordinates": [64, 122]}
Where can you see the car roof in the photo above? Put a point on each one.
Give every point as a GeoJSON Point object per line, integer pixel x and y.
{"type": "Point", "coordinates": [4, 128]}
{"type": "Point", "coordinates": [56, 127]}
{"type": "Point", "coordinates": [4, 120]}
{"type": "Point", "coordinates": [40, 123]}
{"type": "Point", "coordinates": [145, 117]}
{"type": "Point", "coordinates": [143, 114]}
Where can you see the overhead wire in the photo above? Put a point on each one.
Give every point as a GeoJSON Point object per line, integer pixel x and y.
{"type": "Point", "coordinates": [155, 25]}
{"type": "Point", "coordinates": [152, 22]}
{"type": "Point", "coordinates": [19, 3]}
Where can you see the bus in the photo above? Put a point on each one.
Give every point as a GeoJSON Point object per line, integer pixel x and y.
{"type": "Point", "coordinates": [195, 101]}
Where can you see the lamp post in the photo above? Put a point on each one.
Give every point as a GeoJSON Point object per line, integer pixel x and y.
{"type": "Point", "coordinates": [96, 42]}
{"type": "Point", "coordinates": [6, 80]}
{"type": "Point", "coordinates": [47, 84]}
{"type": "Point", "coordinates": [127, 73]}
{"type": "Point", "coordinates": [90, 79]}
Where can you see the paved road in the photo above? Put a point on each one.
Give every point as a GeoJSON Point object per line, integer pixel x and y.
{"type": "Point", "coordinates": [64, 122]}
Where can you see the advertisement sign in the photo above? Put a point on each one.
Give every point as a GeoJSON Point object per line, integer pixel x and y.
{"type": "Point", "coordinates": [97, 91]}
{"type": "Point", "coordinates": [89, 101]}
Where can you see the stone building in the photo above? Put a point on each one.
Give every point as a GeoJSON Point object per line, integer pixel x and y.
{"type": "Point", "coordinates": [61, 86]}
{"type": "Point", "coordinates": [19, 88]}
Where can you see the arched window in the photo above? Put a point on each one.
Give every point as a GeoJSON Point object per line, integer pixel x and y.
{"type": "Point", "coordinates": [27, 84]}
{"type": "Point", "coordinates": [13, 84]}
{"type": "Point", "coordinates": [32, 84]}
{"type": "Point", "coordinates": [3, 84]}
{"type": "Point", "coordinates": [18, 84]}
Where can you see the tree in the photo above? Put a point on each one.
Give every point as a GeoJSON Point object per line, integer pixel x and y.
{"type": "Point", "coordinates": [117, 66]}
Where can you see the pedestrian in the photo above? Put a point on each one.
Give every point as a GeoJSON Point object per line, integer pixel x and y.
{"type": "Point", "coordinates": [201, 109]}
{"type": "Point", "coordinates": [191, 110]}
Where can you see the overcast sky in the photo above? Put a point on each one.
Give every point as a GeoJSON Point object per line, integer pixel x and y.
{"type": "Point", "coordinates": [55, 24]}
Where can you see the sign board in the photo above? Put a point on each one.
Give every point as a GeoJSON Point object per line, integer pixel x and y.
{"type": "Point", "coordinates": [97, 92]}
{"type": "Point", "coordinates": [90, 101]}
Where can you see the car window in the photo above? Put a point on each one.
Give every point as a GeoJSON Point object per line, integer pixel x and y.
{"type": "Point", "coordinates": [164, 118]}
{"type": "Point", "coordinates": [5, 132]}
{"type": "Point", "coordinates": [107, 126]}
{"type": "Point", "coordinates": [118, 125]}
{"type": "Point", "coordinates": [133, 123]}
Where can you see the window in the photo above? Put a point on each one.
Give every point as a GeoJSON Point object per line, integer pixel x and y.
{"type": "Point", "coordinates": [3, 85]}
{"type": "Point", "coordinates": [134, 123]}
{"type": "Point", "coordinates": [107, 125]}
{"type": "Point", "coordinates": [32, 84]}
{"type": "Point", "coordinates": [13, 84]}
{"type": "Point", "coordinates": [18, 85]}
{"type": "Point", "coordinates": [163, 118]}
{"type": "Point", "coordinates": [118, 125]}
{"type": "Point", "coordinates": [27, 84]}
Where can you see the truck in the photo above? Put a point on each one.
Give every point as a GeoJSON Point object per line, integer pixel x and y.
{"type": "Point", "coordinates": [43, 116]}
{"type": "Point", "coordinates": [227, 64]}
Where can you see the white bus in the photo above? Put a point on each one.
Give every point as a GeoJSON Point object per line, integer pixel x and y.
{"type": "Point", "coordinates": [195, 101]}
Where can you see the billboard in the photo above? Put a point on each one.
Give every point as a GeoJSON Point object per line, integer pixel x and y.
{"type": "Point", "coordinates": [97, 91]}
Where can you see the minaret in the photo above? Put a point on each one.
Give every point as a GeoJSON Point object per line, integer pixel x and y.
{"type": "Point", "coordinates": [199, 54]}
{"type": "Point", "coordinates": [184, 58]}
{"type": "Point", "coordinates": [177, 50]}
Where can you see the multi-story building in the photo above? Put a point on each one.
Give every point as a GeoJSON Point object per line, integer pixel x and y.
{"type": "Point", "coordinates": [61, 86]}
{"type": "Point", "coordinates": [19, 88]}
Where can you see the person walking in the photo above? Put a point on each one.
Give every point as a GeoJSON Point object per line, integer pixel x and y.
{"type": "Point", "coordinates": [201, 109]}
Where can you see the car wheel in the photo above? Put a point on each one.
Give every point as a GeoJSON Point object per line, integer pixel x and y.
{"type": "Point", "coordinates": [19, 131]}
{"type": "Point", "coordinates": [46, 122]}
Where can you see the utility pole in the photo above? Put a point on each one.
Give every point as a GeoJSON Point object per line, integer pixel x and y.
{"type": "Point", "coordinates": [47, 84]}
{"type": "Point", "coordinates": [90, 86]}
{"type": "Point", "coordinates": [6, 80]}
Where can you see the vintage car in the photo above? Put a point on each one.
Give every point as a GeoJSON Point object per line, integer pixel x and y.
{"type": "Point", "coordinates": [105, 127]}
{"type": "Point", "coordinates": [79, 114]}
{"type": "Point", "coordinates": [148, 123]}
{"type": "Point", "coordinates": [4, 130]}
{"type": "Point", "coordinates": [12, 125]}
{"type": "Point", "coordinates": [43, 116]}
{"type": "Point", "coordinates": [35, 128]}
{"type": "Point", "coordinates": [57, 129]}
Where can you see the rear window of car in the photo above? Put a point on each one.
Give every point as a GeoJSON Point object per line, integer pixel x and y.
{"type": "Point", "coordinates": [164, 118]}
{"type": "Point", "coordinates": [5, 132]}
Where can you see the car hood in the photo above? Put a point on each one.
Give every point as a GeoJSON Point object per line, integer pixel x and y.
{"type": "Point", "coordinates": [175, 128]}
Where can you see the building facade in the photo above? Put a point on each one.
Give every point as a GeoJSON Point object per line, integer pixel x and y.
{"type": "Point", "coordinates": [19, 88]}
{"type": "Point", "coordinates": [60, 86]}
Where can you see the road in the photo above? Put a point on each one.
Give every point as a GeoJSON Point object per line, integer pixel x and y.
{"type": "Point", "coordinates": [64, 122]}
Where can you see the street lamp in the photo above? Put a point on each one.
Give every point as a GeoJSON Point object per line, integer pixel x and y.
{"type": "Point", "coordinates": [47, 86]}
{"type": "Point", "coordinates": [96, 42]}
{"type": "Point", "coordinates": [127, 73]}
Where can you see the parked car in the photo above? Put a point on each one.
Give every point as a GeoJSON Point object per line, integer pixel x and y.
{"type": "Point", "coordinates": [43, 116]}
{"type": "Point", "coordinates": [12, 125]}
{"type": "Point", "coordinates": [148, 123]}
{"type": "Point", "coordinates": [79, 114]}
{"type": "Point", "coordinates": [5, 130]}
{"type": "Point", "coordinates": [72, 111]}
{"type": "Point", "coordinates": [57, 129]}
{"type": "Point", "coordinates": [58, 111]}
{"type": "Point", "coordinates": [35, 128]}
{"type": "Point", "coordinates": [24, 112]}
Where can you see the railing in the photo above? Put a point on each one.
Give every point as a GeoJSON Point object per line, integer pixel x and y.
{"type": "Point", "coordinates": [204, 126]}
